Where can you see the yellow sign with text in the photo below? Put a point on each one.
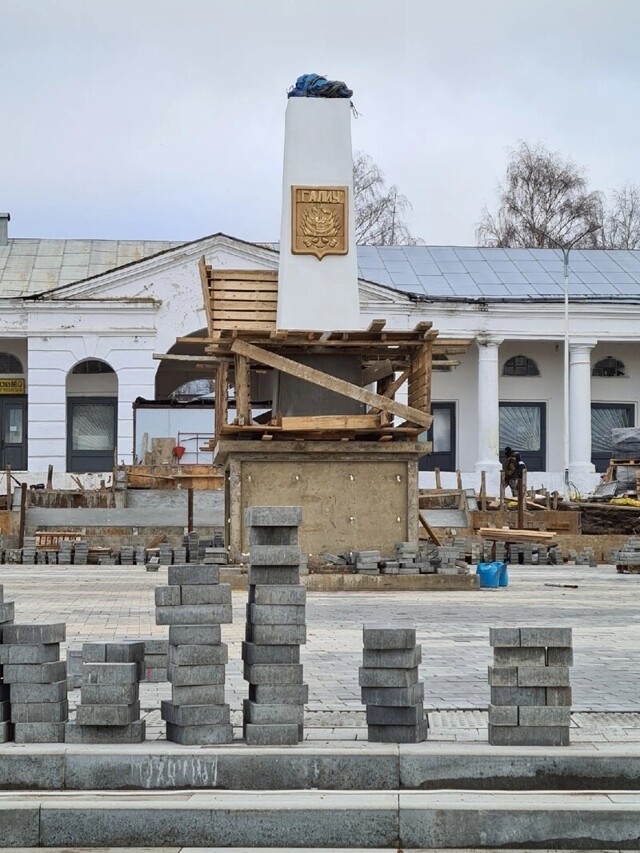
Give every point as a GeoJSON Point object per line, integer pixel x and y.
{"type": "Point", "coordinates": [11, 386]}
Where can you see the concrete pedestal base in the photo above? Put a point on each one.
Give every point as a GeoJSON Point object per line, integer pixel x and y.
{"type": "Point", "coordinates": [355, 495]}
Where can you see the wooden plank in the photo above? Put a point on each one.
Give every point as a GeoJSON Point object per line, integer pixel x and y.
{"type": "Point", "coordinates": [222, 381]}
{"type": "Point", "coordinates": [377, 371]}
{"type": "Point", "coordinates": [219, 274]}
{"type": "Point", "coordinates": [503, 534]}
{"type": "Point", "coordinates": [206, 295]}
{"type": "Point", "coordinates": [204, 359]}
{"type": "Point", "coordinates": [376, 325]}
{"type": "Point", "coordinates": [251, 313]}
{"type": "Point", "coordinates": [244, 289]}
{"type": "Point", "coordinates": [317, 422]}
{"type": "Point", "coordinates": [331, 383]}
{"type": "Point", "coordinates": [245, 297]}
{"type": "Point", "coordinates": [242, 388]}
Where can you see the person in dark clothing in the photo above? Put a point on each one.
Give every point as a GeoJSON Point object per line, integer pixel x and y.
{"type": "Point", "coordinates": [510, 469]}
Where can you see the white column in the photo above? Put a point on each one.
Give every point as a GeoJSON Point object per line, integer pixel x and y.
{"type": "Point", "coordinates": [488, 426]}
{"type": "Point", "coordinates": [580, 467]}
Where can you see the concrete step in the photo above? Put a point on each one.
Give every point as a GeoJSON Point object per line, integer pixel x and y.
{"type": "Point", "coordinates": [327, 819]}
{"type": "Point", "coordinates": [344, 765]}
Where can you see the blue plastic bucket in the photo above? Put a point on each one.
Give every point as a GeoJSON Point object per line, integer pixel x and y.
{"type": "Point", "coordinates": [492, 575]}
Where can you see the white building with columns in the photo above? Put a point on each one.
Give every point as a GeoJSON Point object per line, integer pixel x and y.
{"type": "Point", "coordinates": [80, 321]}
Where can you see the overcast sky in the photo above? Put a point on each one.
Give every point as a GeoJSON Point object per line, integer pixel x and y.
{"type": "Point", "coordinates": [164, 120]}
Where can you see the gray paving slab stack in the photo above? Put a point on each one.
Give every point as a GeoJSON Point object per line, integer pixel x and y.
{"type": "Point", "coordinates": [276, 628]}
{"type": "Point", "coordinates": [6, 618]}
{"type": "Point", "coordinates": [109, 707]}
{"type": "Point", "coordinates": [195, 605]}
{"type": "Point", "coordinates": [37, 679]}
{"type": "Point", "coordinates": [390, 687]}
{"type": "Point", "coordinates": [530, 686]}
{"type": "Point", "coordinates": [156, 659]}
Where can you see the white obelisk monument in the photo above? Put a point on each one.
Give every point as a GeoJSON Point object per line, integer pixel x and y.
{"type": "Point", "coordinates": [318, 272]}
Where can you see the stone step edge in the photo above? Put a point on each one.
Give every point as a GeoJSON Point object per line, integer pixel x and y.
{"type": "Point", "coordinates": [443, 819]}
{"type": "Point", "coordinates": [60, 767]}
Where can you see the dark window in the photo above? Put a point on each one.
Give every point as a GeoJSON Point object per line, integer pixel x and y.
{"type": "Point", "coordinates": [608, 367]}
{"type": "Point", "coordinates": [604, 418]}
{"type": "Point", "coordinates": [10, 364]}
{"type": "Point", "coordinates": [92, 365]}
{"type": "Point", "coordinates": [520, 365]}
{"type": "Point", "coordinates": [442, 433]}
{"type": "Point", "coordinates": [523, 426]}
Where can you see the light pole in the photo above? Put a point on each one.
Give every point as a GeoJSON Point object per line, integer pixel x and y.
{"type": "Point", "coordinates": [565, 248]}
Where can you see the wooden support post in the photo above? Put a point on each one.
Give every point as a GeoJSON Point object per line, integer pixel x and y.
{"type": "Point", "coordinates": [189, 509]}
{"type": "Point", "coordinates": [50, 477]}
{"type": "Point", "coordinates": [502, 487]}
{"type": "Point", "coordinates": [243, 390]}
{"type": "Point", "coordinates": [23, 515]}
{"type": "Point", "coordinates": [555, 500]}
{"type": "Point", "coordinates": [524, 481]}
{"type": "Point", "coordinates": [459, 479]}
{"type": "Point", "coordinates": [521, 502]}
{"type": "Point", "coordinates": [483, 491]}
{"type": "Point", "coordinates": [222, 383]}
{"type": "Point", "coordinates": [436, 471]}
{"type": "Point", "coordinates": [547, 499]}
{"type": "Point", "coordinates": [9, 490]}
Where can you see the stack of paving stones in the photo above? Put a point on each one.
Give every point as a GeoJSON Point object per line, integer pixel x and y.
{"type": "Point", "coordinates": [141, 555]}
{"type": "Point", "coordinates": [29, 550]}
{"type": "Point", "coordinates": [276, 627]}
{"type": "Point", "coordinates": [6, 618]}
{"type": "Point", "coordinates": [390, 687]}
{"type": "Point", "coordinates": [165, 553]}
{"type": "Point", "coordinates": [195, 605]}
{"type": "Point", "coordinates": [65, 552]}
{"type": "Point", "coordinates": [126, 555]}
{"type": "Point", "coordinates": [156, 659]}
{"type": "Point", "coordinates": [627, 558]}
{"type": "Point", "coordinates": [80, 553]}
{"type": "Point", "coordinates": [37, 680]}
{"type": "Point", "coordinates": [180, 554]}
{"type": "Point", "coordinates": [215, 556]}
{"type": "Point", "coordinates": [109, 707]}
{"type": "Point", "coordinates": [530, 686]}
{"type": "Point", "coordinates": [366, 562]}
{"type": "Point", "coordinates": [74, 667]}
{"type": "Point", "coordinates": [191, 542]}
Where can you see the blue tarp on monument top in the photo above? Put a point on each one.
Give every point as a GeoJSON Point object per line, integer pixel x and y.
{"type": "Point", "coordinates": [317, 86]}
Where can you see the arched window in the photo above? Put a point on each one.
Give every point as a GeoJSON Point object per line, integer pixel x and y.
{"type": "Point", "coordinates": [92, 365]}
{"type": "Point", "coordinates": [10, 364]}
{"type": "Point", "coordinates": [608, 367]}
{"type": "Point", "coordinates": [520, 365]}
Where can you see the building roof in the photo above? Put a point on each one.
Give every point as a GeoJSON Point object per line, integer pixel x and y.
{"type": "Point", "coordinates": [448, 272]}
{"type": "Point", "coordinates": [30, 266]}
{"type": "Point", "coordinates": [33, 266]}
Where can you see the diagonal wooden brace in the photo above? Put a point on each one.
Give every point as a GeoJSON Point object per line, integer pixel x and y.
{"type": "Point", "coordinates": [331, 383]}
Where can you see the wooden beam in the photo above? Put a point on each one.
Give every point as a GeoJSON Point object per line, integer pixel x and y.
{"type": "Point", "coordinates": [159, 356]}
{"type": "Point", "coordinates": [377, 371]}
{"type": "Point", "coordinates": [222, 381]}
{"type": "Point", "coordinates": [320, 422]}
{"type": "Point", "coordinates": [331, 383]}
{"type": "Point", "coordinates": [243, 389]}
{"type": "Point", "coordinates": [206, 293]}
{"type": "Point", "coordinates": [430, 531]}
{"type": "Point", "coordinates": [376, 325]}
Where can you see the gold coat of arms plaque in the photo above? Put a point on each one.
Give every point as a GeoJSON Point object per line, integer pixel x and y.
{"type": "Point", "coordinates": [319, 221]}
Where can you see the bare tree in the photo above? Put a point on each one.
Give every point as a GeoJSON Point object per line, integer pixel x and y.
{"type": "Point", "coordinates": [542, 194]}
{"type": "Point", "coordinates": [380, 209]}
{"type": "Point", "coordinates": [621, 220]}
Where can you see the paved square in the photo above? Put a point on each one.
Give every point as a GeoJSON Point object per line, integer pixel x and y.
{"type": "Point", "coordinates": [103, 602]}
